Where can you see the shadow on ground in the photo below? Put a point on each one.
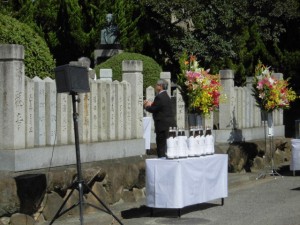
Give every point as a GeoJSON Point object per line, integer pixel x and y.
{"type": "Point", "coordinates": [144, 211]}
{"type": "Point", "coordinates": [286, 172]}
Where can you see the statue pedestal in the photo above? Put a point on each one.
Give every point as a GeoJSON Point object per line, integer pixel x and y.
{"type": "Point", "coordinates": [105, 52]}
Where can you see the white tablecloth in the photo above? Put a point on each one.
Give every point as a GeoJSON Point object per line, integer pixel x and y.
{"type": "Point", "coordinates": [295, 160]}
{"type": "Point", "coordinates": [147, 131]}
{"type": "Point", "coordinates": [182, 182]}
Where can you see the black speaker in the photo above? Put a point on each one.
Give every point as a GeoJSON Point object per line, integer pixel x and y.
{"type": "Point", "coordinates": [72, 78]}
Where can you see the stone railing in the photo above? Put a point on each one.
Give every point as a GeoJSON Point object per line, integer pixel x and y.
{"type": "Point", "coordinates": [34, 117]}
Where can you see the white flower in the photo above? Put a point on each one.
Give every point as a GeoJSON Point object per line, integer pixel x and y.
{"type": "Point", "coordinates": [271, 80]}
{"type": "Point", "coordinates": [266, 71]}
{"type": "Point", "coordinates": [262, 95]}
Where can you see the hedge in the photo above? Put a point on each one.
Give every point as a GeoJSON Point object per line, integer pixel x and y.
{"type": "Point", "coordinates": [38, 59]}
{"type": "Point", "coordinates": [151, 69]}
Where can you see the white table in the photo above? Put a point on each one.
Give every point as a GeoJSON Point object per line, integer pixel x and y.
{"type": "Point", "coordinates": [182, 182]}
{"type": "Point", "coordinates": [295, 160]}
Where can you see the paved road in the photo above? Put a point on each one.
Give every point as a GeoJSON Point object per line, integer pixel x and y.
{"type": "Point", "coordinates": [266, 201]}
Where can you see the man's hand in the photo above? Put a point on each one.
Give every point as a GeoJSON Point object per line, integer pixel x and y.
{"type": "Point", "coordinates": [147, 103]}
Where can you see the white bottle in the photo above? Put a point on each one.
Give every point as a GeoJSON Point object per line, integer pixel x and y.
{"type": "Point", "coordinates": [182, 147]}
{"type": "Point", "coordinates": [171, 144]}
{"type": "Point", "coordinates": [202, 143]}
{"type": "Point", "coordinates": [192, 144]}
{"type": "Point", "coordinates": [209, 140]}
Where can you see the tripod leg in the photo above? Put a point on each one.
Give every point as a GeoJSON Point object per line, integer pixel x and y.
{"type": "Point", "coordinates": [58, 213]}
{"type": "Point", "coordinates": [102, 203]}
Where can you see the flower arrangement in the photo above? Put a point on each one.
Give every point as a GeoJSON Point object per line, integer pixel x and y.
{"type": "Point", "coordinates": [200, 90]}
{"type": "Point", "coordinates": [269, 92]}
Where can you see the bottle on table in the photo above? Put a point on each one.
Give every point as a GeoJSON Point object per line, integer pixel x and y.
{"type": "Point", "coordinates": [209, 140]}
{"type": "Point", "coordinates": [192, 143]}
{"type": "Point", "coordinates": [202, 142]}
{"type": "Point", "coordinates": [171, 144]}
{"type": "Point", "coordinates": [182, 149]}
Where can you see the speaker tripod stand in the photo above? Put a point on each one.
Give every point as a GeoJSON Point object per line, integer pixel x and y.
{"type": "Point", "coordinates": [80, 184]}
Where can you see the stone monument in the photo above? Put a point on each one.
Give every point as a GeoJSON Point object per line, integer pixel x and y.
{"type": "Point", "coordinates": [109, 41]}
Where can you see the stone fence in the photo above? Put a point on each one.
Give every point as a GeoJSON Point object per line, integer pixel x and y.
{"type": "Point", "coordinates": [36, 123]}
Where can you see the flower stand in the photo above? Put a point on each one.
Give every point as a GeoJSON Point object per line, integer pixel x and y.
{"type": "Point", "coordinates": [269, 132]}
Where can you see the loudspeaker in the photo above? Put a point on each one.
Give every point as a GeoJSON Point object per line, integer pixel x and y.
{"type": "Point", "coordinates": [72, 78]}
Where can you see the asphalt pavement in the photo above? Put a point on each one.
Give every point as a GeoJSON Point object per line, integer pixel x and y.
{"type": "Point", "coordinates": [267, 201]}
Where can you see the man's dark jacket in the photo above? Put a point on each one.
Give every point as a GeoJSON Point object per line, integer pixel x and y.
{"type": "Point", "coordinates": [162, 112]}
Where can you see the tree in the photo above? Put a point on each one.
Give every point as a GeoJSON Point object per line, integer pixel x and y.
{"type": "Point", "coordinates": [226, 33]}
{"type": "Point", "coordinates": [38, 59]}
{"type": "Point", "coordinates": [128, 15]}
{"type": "Point", "coordinates": [221, 33]}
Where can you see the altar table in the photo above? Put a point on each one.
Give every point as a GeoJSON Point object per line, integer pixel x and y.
{"type": "Point", "coordinates": [178, 183]}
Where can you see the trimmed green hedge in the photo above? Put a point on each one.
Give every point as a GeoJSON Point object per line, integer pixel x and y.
{"type": "Point", "coordinates": [151, 69]}
{"type": "Point", "coordinates": [38, 59]}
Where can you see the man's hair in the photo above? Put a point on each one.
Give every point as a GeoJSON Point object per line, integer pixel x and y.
{"type": "Point", "coordinates": [163, 83]}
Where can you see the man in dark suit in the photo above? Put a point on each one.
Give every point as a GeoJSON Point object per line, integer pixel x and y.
{"type": "Point", "coordinates": [163, 116]}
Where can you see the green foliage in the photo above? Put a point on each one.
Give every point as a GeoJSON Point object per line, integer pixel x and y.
{"type": "Point", "coordinates": [225, 34]}
{"type": "Point", "coordinates": [38, 59]}
{"type": "Point", "coordinates": [151, 70]}
{"type": "Point", "coordinates": [70, 33]}
{"type": "Point", "coordinates": [128, 15]}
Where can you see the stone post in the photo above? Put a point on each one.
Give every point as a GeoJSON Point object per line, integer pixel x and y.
{"type": "Point", "coordinates": [106, 74]}
{"type": "Point", "coordinates": [111, 107]}
{"type": "Point", "coordinates": [238, 120]}
{"type": "Point", "coordinates": [94, 111]}
{"type": "Point", "coordinates": [39, 112]}
{"type": "Point", "coordinates": [83, 109]}
{"type": "Point", "coordinates": [150, 95]}
{"type": "Point", "coordinates": [250, 102]}
{"type": "Point", "coordinates": [244, 107]}
{"type": "Point", "coordinates": [62, 119]}
{"type": "Point", "coordinates": [227, 114]}
{"type": "Point", "coordinates": [127, 109]}
{"type": "Point", "coordinates": [12, 97]}
{"type": "Point", "coordinates": [167, 76]}
{"type": "Point", "coordinates": [119, 115]}
{"type": "Point", "coordinates": [132, 73]}
{"type": "Point", "coordinates": [249, 82]}
{"type": "Point", "coordinates": [29, 112]}
{"type": "Point", "coordinates": [102, 111]}
{"type": "Point", "coordinates": [255, 117]}
{"type": "Point", "coordinates": [50, 99]}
